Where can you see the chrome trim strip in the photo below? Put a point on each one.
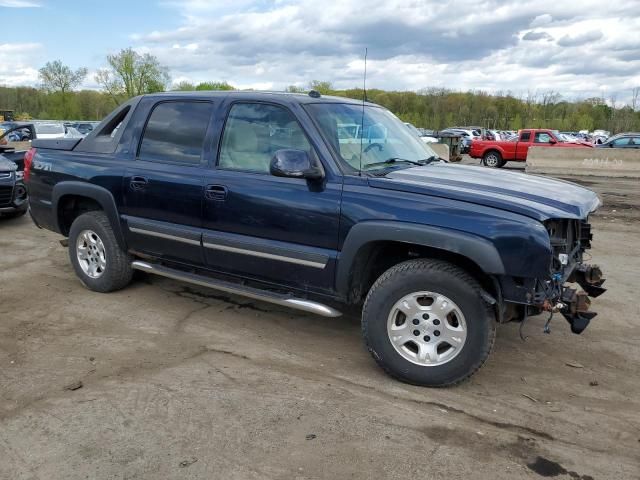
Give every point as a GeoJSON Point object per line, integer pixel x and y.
{"type": "Point", "coordinates": [166, 236]}
{"type": "Point", "coordinates": [271, 256]}
{"type": "Point", "coordinates": [249, 292]}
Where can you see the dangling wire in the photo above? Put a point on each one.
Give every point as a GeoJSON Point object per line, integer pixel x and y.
{"type": "Point", "coordinates": [546, 325]}
{"type": "Point", "coordinates": [524, 319]}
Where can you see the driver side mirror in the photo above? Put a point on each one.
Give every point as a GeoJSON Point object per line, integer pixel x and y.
{"type": "Point", "coordinates": [295, 164]}
{"type": "Point", "coordinates": [552, 141]}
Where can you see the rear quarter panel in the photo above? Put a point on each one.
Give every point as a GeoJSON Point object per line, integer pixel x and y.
{"type": "Point", "coordinates": [480, 147]}
{"type": "Point", "coordinates": [51, 167]}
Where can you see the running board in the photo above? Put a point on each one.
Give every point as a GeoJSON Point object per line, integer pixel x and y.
{"type": "Point", "coordinates": [228, 287]}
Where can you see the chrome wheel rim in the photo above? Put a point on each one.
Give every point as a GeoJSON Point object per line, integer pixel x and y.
{"type": "Point", "coordinates": [427, 328]}
{"type": "Point", "coordinates": [491, 160]}
{"type": "Point", "coordinates": [91, 254]}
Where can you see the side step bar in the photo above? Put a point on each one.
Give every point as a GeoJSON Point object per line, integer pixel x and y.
{"type": "Point", "coordinates": [228, 287]}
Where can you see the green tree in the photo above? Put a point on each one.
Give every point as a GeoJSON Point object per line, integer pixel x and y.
{"type": "Point", "coordinates": [130, 74]}
{"type": "Point", "coordinates": [323, 87]}
{"type": "Point", "coordinates": [184, 87]}
{"type": "Point", "coordinates": [294, 89]}
{"type": "Point", "coordinates": [59, 79]}
{"type": "Point", "coordinates": [214, 86]}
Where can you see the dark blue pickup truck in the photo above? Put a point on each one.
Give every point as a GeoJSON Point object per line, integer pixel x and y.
{"type": "Point", "coordinates": [321, 204]}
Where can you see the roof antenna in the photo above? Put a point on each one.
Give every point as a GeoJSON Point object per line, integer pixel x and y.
{"type": "Point", "coordinates": [364, 99]}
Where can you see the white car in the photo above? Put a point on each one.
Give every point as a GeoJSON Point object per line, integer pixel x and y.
{"type": "Point", "coordinates": [72, 133]}
{"type": "Point", "coordinates": [50, 130]}
{"type": "Point", "coordinates": [418, 133]}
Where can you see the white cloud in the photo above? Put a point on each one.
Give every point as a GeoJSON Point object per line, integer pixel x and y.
{"type": "Point", "coordinates": [494, 45]}
{"type": "Point", "coordinates": [17, 62]}
{"type": "Point", "coordinates": [541, 20]}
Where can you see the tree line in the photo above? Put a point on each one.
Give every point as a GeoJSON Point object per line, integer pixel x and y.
{"type": "Point", "coordinates": [129, 73]}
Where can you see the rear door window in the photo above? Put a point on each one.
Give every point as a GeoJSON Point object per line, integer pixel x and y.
{"type": "Point", "coordinates": [175, 132]}
{"type": "Point", "coordinates": [525, 136]}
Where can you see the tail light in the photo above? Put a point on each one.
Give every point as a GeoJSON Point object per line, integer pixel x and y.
{"type": "Point", "coordinates": [28, 161]}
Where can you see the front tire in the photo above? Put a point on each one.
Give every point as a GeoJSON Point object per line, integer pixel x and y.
{"type": "Point", "coordinates": [493, 159]}
{"type": "Point", "coordinates": [425, 322]}
{"type": "Point", "coordinates": [99, 262]}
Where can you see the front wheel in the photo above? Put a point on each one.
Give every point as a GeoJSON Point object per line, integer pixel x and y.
{"type": "Point", "coordinates": [425, 322]}
{"type": "Point", "coordinates": [493, 159]}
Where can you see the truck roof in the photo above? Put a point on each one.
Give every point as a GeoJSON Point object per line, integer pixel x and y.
{"type": "Point", "coordinates": [283, 97]}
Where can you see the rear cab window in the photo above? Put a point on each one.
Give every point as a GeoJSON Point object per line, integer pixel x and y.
{"type": "Point", "coordinates": [175, 132]}
{"type": "Point", "coordinates": [525, 135]}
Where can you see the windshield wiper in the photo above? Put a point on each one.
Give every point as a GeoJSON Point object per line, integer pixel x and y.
{"type": "Point", "coordinates": [431, 159]}
{"type": "Point", "coordinates": [394, 160]}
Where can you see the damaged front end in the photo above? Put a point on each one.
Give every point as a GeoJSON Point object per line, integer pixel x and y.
{"type": "Point", "coordinates": [569, 240]}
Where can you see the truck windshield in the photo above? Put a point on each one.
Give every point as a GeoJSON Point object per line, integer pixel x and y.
{"type": "Point", "coordinates": [384, 140]}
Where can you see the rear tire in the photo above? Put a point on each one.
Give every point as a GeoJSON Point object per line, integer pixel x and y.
{"type": "Point", "coordinates": [443, 342]}
{"type": "Point", "coordinates": [100, 263]}
{"type": "Point", "coordinates": [493, 159]}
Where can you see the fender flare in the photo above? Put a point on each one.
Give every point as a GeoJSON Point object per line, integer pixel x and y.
{"type": "Point", "coordinates": [500, 150]}
{"type": "Point", "coordinates": [477, 249]}
{"type": "Point", "coordinates": [94, 192]}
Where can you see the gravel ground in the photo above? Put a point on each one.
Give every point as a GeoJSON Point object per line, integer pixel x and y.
{"type": "Point", "coordinates": [163, 380]}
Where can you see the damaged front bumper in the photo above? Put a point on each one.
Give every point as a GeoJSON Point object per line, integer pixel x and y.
{"type": "Point", "coordinates": [575, 304]}
{"type": "Point", "coordinates": [567, 292]}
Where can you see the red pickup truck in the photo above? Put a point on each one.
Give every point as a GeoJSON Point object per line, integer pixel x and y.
{"type": "Point", "coordinates": [496, 153]}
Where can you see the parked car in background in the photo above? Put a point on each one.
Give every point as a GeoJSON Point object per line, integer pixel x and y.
{"type": "Point", "coordinates": [13, 193]}
{"type": "Point", "coordinates": [14, 142]}
{"type": "Point", "coordinates": [71, 132]}
{"type": "Point", "coordinates": [496, 153]}
{"type": "Point", "coordinates": [50, 130]}
{"type": "Point", "coordinates": [472, 132]}
{"type": "Point", "coordinates": [422, 133]}
{"type": "Point", "coordinates": [466, 137]}
{"type": "Point", "coordinates": [84, 128]}
{"type": "Point", "coordinates": [622, 140]}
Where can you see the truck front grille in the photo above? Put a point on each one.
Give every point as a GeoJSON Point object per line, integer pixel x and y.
{"type": "Point", "coordinates": [6, 195]}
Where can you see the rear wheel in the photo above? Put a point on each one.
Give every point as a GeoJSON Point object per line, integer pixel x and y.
{"type": "Point", "coordinates": [493, 159]}
{"type": "Point", "coordinates": [425, 322]}
{"type": "Point", "coordinates": [100, 263]}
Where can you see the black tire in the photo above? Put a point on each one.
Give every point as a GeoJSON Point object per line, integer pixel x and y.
{"type": "Point", "coordinates": [493, 159]}
{"type": "Point", "coordinates": [117, 273]}
{"type": "Point", "coordinates": [438, 277]}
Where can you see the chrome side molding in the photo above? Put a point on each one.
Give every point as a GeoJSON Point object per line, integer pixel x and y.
{"type": "Point", "coordinates": [228, 287]}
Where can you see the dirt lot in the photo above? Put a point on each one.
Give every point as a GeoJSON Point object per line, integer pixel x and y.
{"type": "Point", "coordinates": [180, 382]}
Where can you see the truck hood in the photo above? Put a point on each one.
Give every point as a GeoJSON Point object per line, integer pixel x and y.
{"type": "Point", "coordinates": [535, 196]}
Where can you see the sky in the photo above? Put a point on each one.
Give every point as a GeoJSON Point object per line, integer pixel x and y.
{"type": "Point", "coordinates": [579, 49]}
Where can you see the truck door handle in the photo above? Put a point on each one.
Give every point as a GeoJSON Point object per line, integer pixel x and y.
{"type": "Point", "coordinates": [138, 183]}
{"type": "Point", "coordinates": [217, 193]}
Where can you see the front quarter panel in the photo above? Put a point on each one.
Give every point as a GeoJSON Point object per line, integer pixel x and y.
{"type": "Point", "coordinates": [520, 243]}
